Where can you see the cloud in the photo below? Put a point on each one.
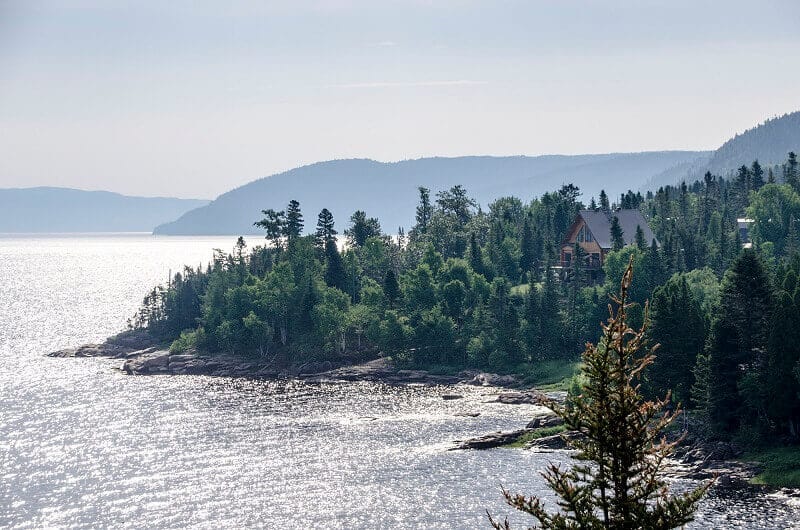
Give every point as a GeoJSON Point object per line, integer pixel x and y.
{"type": "Point", "coordinates": [410, 84]}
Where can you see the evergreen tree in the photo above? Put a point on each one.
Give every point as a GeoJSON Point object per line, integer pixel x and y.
{"type": "Point", "coordinates": [639, 238]}
{"type": "Point", "coordinates": [424, 210]}
{"type": "Point", "coordinates": [390, 287]}
{"type": "Point", "coordinates": [604, 205]}
{"type": "Point", "coordinates": [622, 488]}
{"type": "Point", "coordinates": [790, 172]}
{"type": "Point", "coordinates": [293, 227]}
{"type": "Point", "coordinates": [325, 230]}
{"type": "Point", "coordinates": [475, 255]}
{"type": "Point", "coordinates": [757, 175]}
{"type": "Point", "coordinates": [274, 223]}
{"type": "Point", "coordinates": [335, 274]}
{"type": "Point", "coordinates": [782, 397]}
{"type": "Point", "coordinates": [362, 228]}
{"type": "Point", "coordinates": [674, 308]}
{"type": "Point", "coordinates": [617, 241]}
{"type": "Point", "coordinates": [592, 204]}
{"type": "Point", "coordinates": [738, 339]}
{"type": "Point", "coordinates": [526, 260]}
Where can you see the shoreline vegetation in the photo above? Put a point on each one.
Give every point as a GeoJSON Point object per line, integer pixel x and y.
{"type": "Point", "coordinates": [468, 293]}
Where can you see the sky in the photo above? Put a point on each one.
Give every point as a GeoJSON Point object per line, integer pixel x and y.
{"type": "Point", "coordinates": [192, 98]}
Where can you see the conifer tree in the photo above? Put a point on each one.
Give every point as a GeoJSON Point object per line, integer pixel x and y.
{"type": "Point", "coordinates": [617, 241]}
{"type": "Point", "coordinates": [335, 275]}
{"type": "Point", "coordinates": [757, 175]}
{"type": "Point", "coordinates": [604, 205]}
{"type": "Point", "coordinates": [674, 308]}
{"type": "Point", "coordinates": [274, 223]}
{"type": "Point", "coordinates": [390, 287]}
{"type": "Point", "coordinates": [738, 339]}
{"type": "Point", "coordinates": [424, 211]}
{"type": "Point", "coordinates": [783, 348]}
{"type": "Point", "coordinates": [526, 248]}
{"type": "Point", "coordinates": [620, 435]}
{"type": "Point", "coordinates": [293, 227]}
{"type": "Point", "coordinates": [639, 238]}
{"type": "Point", "coordinates": [790, 172]}
{"type": "Point", "coordinates": [325, 230]}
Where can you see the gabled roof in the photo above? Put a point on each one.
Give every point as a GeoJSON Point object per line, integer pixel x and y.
{"type": "Point", "coordinates": [599, 223]}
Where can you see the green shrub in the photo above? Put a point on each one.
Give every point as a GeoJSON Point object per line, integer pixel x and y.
{"type": "Point", "coordinates": [186, 341]}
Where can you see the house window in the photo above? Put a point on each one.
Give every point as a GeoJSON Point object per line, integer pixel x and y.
{"type": "Point", "coordinates": [588, 237]}
{"type": "Point", "coordinates": [567, 259]}
{"type": "Point", "coordinates": [581, 234]}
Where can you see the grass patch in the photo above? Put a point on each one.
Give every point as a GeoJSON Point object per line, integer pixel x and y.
{"type": "Point", "coordinates": [550, 375]}
{"type": "Point", "coordinates": [781, 466]}
{"type": "Point", "coordinates": [536, 434]}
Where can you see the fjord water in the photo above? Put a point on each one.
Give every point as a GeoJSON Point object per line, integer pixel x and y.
{"type": "Point", "coordinates": [83, 445]}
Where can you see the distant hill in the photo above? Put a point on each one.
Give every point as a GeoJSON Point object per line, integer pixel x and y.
{"type": "Point", "coordinates": [769, 143]}
{"type": "Point", "coordinates": [389, 190]}
{"type": "Point", "coordinates": [69, 210]}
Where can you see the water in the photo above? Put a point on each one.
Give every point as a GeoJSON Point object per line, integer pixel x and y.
{"type": "Point", "coordinates": [82, 445]}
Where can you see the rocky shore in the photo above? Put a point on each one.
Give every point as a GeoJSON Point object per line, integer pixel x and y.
{"type": "Point", "coordinates": [140, 354]}
{"type": "Point", "coordinates": [694, 459]}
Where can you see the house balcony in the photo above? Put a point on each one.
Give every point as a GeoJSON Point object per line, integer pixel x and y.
{"type": "Point", "coordinates": [590, 264]}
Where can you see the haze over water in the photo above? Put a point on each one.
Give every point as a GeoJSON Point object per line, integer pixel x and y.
{"type": "Point", "coordinates": [83, 445]}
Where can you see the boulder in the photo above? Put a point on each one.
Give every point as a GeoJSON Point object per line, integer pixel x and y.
{"type": "Point", "coordinates": [544, 420]}
{"type": "Point", "coordinates": [530, 397]}
{"type": "Point", "coordinates": [489, 379]}
{"type": "Point", "coordinates": [488, 441]}
{"type": "Point", "coordinates": [552, 443]}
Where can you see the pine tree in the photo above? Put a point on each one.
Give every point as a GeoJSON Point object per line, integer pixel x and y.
{"type": "Point", "coordinates": [617, 241]}
{"type": "Point", "coordinates": [639, 238]}
{"type": "Point", "coordinates": [390, 287]}
{"type": "Point", "coordinates": [293, 227]}
{"type": "Point", "coordinates": [475, 255]}
{"type": "Point", "coordinates": [335, 275]}
{"type": "Point", "coordinates": [783, 350]}
{"type": "Point", "coordinates": [619, 431]}
{"type": "Point", "coordinates": [424, 210]}
{"type": "Point", "coordinates": [274, 223]}
{"type": "Point", "coordinates": [526, 248]}
{"type": "Point", "coordinates": [674, 308]}
{"type": "Point", "coordinates": [757, 175]}
{"type": "Point", "coordinates": [325, 230]}
{"type": "Point", "coordinates": [790, 172]}
{"type": "Point", "coordinates": [738, 339]}
{"type": "Point", "coordinates": [532, 332]}
{"type": "Point", "coordinates": [604, 205]}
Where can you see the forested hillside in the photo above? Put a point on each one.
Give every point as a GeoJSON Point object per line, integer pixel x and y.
{"type": "Point", "coordinates": [467, 287]}
{"type": "Point", "coordinates": [767, 142]}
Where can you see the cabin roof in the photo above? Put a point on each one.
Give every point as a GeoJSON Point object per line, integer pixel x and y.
{"type": "Point", "coordinates": [599, 223]}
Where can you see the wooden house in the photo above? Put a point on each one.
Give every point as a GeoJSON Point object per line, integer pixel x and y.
{"type": "Point", "coordinates": [591, 230]}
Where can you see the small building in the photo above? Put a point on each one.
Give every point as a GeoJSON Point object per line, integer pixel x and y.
{"type": "Point", "coordinates": [591, 229]}
{"type": "Point", "coordinates": [743, 225]}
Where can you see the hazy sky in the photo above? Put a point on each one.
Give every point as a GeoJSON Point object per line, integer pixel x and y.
{"type": "Point", "coordinates": [197, 97]}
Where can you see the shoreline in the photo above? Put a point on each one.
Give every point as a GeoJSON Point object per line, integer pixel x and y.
{"type": "Point", "coordinates": [142, 354]}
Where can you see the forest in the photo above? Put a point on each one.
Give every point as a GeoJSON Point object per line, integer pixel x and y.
{"type": "Point", "coordinates": [472, 287]}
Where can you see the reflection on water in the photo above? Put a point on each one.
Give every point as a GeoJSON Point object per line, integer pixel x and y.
{"type": "Point", "coordinates": [83, 445]}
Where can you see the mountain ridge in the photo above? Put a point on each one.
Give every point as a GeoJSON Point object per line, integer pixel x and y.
{"type": "Point", "coordinates": [388, 190]}
{"type": "Point", "coordinates": [42, 209]}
